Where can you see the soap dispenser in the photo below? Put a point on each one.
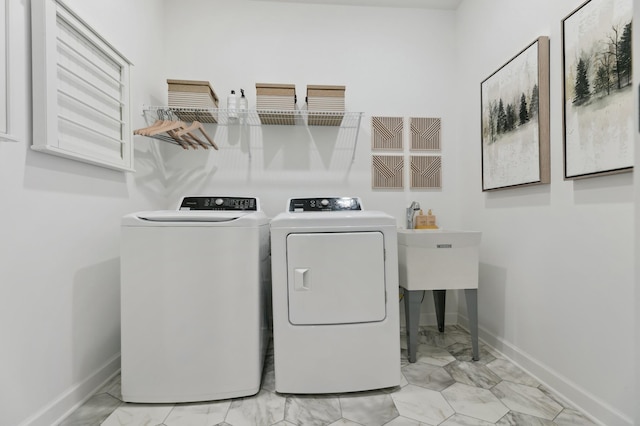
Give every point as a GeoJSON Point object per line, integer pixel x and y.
{"type": "Point", "coordinates": [243, 105]}
{"type": "Point", "coordinates": [427, 221]}
{"type": "Point", "coordinates": [232, 101]}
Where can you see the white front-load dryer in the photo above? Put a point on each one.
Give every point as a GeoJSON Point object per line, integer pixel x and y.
{"type": "Point", "coordinates": [195, 289]}
{"type": "Point", "coordinates": [335, 297]}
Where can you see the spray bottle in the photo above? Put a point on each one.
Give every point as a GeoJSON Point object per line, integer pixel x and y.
{"type": "Point", "coordinates": [243, 105]}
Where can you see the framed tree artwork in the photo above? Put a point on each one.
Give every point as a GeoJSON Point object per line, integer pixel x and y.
{"type": "Point", "coordinates": [598, 100]}
{"type": "Point", "coordinates": [515, 120]}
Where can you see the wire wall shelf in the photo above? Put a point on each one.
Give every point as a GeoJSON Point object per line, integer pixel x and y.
{"type": "Point", "coordinates": [338, 130]}
{"type": "Point", "coordinates": [226, 117]}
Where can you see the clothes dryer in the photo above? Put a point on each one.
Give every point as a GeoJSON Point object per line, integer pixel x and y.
{"type": "Point", "coordinates": [335, 297]}
{"type": "Point", "coordinates": [195, 287]}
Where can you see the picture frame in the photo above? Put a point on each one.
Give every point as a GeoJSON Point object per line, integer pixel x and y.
{"type": "Point", "coordinates": [515, 120]}
{"type": "Point", "coordinates": [598, 117]}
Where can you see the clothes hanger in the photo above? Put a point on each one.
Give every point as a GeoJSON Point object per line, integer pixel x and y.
{"type": "Point", "coordinates": [163, 120]}
{"type": "Point", "coordinates": [170, 125]}
{"type": "Point", "coordinates": [190, 141]}
{"type": "Point", "coordinates": [180, 141]}
{"type": "Point", "coordinates": [186, 133]}
{"type": "Point", "coordinates": [178, 131]}
{"type": "Point", "coordinates": [196, 125]}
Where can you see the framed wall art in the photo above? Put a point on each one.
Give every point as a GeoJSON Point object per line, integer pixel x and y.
{"type": "Point", "coordinates": [515, 120]}
{"type": "Point", "coordinates": [598, 95]}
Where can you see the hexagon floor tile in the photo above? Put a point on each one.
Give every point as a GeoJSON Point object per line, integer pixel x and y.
{"type": "Point", "coordinates": [444, 389]}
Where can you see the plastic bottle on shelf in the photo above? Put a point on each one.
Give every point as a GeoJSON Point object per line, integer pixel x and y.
{"type": "Point", "coordinates": [232, 101]}
{"type": "Point", "coordinates": [243, 105]}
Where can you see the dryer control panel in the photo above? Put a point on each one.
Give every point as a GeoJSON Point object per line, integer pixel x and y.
{"type": "Point", "coordinates": [220, 203]}
{"type": "Point", "coordinates": [324, 204]}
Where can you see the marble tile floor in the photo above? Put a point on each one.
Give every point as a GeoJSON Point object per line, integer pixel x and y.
{"type": "Point", "coordinates": [444, 387]}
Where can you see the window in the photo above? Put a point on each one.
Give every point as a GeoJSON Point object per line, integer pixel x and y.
{"type": "Point", "coordinates": [5, 110]}
{"type": "Point", "coordinates": [81, 93]}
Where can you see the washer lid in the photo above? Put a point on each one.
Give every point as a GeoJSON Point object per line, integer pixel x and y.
{"type": "Point", "coordinates": [195, 218]}
{"type": "Point", "coordinates": [191, 216]}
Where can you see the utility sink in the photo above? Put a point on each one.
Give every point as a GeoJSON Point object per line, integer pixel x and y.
{"type": "Point", "coordinates": [438, 259]}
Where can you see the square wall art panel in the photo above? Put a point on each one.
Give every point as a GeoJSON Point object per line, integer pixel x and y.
{"type": "Point", "coordinates": [387, 171]}
{"type": "Point", "coordinates": [425, 134]}
{"type": "Point", "coordinates": [426, 171]}
{"type": "Point", "coordinates": [386, 133]}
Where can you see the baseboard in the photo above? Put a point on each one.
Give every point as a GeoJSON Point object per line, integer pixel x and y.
{"type": "Point", "coordinates": [599, 411]}
{"type": "Point", "coordinates": [75, 396]}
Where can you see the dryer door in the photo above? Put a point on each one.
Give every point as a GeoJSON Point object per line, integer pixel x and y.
{"type": "Point", "coordinates": [336, 278]}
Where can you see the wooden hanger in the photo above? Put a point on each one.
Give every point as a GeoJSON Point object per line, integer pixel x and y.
{"type": "Point", "coordinates": [143, 130]}
{"type": "Point", "coordinates": [165, 127]}
{"type": "Point", "coordinates": [163, 120]}
{"type": "Point", "coordinates": [184, 138]}
{"type": "Point", "coordinates": [178, 131]}
{"type": "Point", "coordinates": [196, 125]}
{"type": "Point", "coordinates": [159, 126]}
{"type": "Point", "coordinates": [180, 141]}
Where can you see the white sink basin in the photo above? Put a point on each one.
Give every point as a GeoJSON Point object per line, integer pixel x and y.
{"type": "Point", "coordinates": [438, 259]}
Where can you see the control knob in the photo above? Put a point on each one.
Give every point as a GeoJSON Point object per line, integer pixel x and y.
{"type": "Point", "coordinates": [324, 202]}
{"type": "Point", "coordinates": [219, 201]}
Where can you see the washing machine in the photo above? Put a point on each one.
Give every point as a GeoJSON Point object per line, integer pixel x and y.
{"type": "Point", "coordinates": [195, 291]}
{"type": "Point", "coordinates": [335, 297]}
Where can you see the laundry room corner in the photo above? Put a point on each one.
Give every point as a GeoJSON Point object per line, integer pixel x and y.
{"type": "Point", "coordinates": [556, 259]}
{"type": "Point", "coordinates": [285, 172]}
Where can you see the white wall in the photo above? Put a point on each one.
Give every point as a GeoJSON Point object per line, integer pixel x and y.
{"type": "Point", "coordinates": [59, 232]}
{"type": "Point", "coordinates": [557, 261]}
{"type": "Point", "coordinates": [396, 62]}
{"type": "Point", "coordinates": [636, 181]}
{"type": "Point", "coordinates": [393, 62]}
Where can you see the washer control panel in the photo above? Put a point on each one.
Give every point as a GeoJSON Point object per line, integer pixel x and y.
{"type": "Point", "coordinates": [323, 204]}
{"type": "Point", "coordinates": [219, 203]}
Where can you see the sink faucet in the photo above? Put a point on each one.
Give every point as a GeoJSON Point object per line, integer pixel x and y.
{"type": "Point", "coordinates": [414, 207]}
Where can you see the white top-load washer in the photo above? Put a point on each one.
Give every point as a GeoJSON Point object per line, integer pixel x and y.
{"type": "Point", "coordinates": [195, 289]}
{"type": "Point", "coordinates": [335, 297]}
